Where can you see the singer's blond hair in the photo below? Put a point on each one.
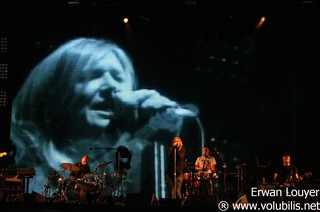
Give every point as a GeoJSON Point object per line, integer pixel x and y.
{"type": "Point", "coordinates": [176, 139]}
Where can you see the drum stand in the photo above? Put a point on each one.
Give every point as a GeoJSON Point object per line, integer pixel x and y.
{"type": "Point", "coordinates": [188, 179]}
{"type": "Point", "coordinates": [103, 186]}
{"type": "Point", "coordinates": [121, 173]}
{"type": "Point", "coordinates": [186, 193]}
{"type": "Point", "coordinates": [46, 191]}
{"type": "Point", "coordinates": [47, 187]}
{"type": "Point", "coordinates": [60, 194]}
{"type": "Point", "coordinates": [225, 170]}
{"type": "Point", "coordinates": [241, 173]}
{"type": "Point", "coordinates": [63, 195]}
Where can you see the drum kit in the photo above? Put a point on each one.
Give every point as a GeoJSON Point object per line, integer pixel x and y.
{"type": "Point", "coordinates": [68, 191]}
{"type": "Point", "coordinates": [194, 180]}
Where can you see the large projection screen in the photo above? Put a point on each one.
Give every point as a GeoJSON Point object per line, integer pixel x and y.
{"type": "Point", "coordinates": [246, 88]}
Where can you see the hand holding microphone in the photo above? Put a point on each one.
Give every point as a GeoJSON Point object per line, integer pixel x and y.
{"type": "Point", "coordinates": [140, 103]}
{"type": "Point", "coordinates": [137, 107]}
{"type": "Point", "coordinates": [175, 145]}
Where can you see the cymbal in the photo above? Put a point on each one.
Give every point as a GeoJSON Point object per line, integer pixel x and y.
{"type": "Point", "coordinates": [70, 167]}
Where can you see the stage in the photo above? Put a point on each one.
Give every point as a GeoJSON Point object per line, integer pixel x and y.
{"type": "Point", "coordinates": [138, 202]}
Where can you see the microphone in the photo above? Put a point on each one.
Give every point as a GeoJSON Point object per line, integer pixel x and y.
{"type": "Point", "coordinates": [188, 110]}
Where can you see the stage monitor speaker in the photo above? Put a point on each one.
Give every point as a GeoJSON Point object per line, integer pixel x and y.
{"type": "Point", "coordinates": [242, 200]}
{"type": "Point", "coordinates": [144, 199]}
{"type": "Point", "coordinates": [202, 201]}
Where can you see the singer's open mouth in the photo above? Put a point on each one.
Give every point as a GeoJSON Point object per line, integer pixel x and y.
{"type": "Point", "coordinates": [99, 118]}
{"type": "Point", "coordinates": [104, 113]}
{"type": "Point", "coordinates": [101, 105]}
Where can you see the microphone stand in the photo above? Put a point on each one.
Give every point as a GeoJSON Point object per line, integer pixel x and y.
{"type": "Point", "coordinates": [224, 171]}
{"type": "Point", "coordinates": [120, 177]}
{"type": "Point", "coordinates": [175, 172]}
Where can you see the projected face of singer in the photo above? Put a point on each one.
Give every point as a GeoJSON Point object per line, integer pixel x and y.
{"type": "Point", "coordinates": [105, 94]}
{"type": "Point", "coordinates": [103, 78]}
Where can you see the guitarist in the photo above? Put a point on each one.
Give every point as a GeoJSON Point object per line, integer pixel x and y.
{"type": "Point", "coordinates": [286, 174]}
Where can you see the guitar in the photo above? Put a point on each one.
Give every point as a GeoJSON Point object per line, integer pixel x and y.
{"type": "Point", "coordinates": [2, 154]}
{"type": "Point", "coordinates": [301, 177]}
{"type": "Point", "coordinates": [291, 183]}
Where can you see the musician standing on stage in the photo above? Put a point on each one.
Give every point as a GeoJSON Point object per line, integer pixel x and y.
{"type": "Point", "coordinates": [286, 174]}
{"type": "Point", "coordinates": [206, 167]}
{"type": "Point", "coordinates": [175, 190]}
{"type": "Point", "coordinates": [78, 176]}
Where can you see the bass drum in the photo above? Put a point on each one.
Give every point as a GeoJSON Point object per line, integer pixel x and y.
{"type": "Point", "coordinates": [73, 188]}
{"type": "Point", "coordinates": [69, 190]}
{"type": "Point", "coordinates": [91, 189]}
{"type": "Point", "coordinates": [196, 187]}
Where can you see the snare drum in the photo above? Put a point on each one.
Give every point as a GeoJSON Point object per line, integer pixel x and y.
{"type": "Point", "coordinates": [69, 189]}
{"type": "Point", "coordinates": [210, 176]}
{"type": "Point", "coordinates": [198, 176]}
{"type": "Point", "coordinates": [207, 176]}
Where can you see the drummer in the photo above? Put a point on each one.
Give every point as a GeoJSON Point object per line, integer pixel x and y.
{"type": "Point", "coordinates": [206, 167]}
{"type": "Point", "coordinates": [77, 173]}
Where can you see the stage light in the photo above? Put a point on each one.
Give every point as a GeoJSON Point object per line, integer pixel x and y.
{"type": "Point", "coordinates": [125, 20]}
{"type": "Point", "coordinates": [261, 21]}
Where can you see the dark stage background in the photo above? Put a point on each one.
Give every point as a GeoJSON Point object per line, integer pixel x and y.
{"type": "Point", "coordinates": [257, 89]}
